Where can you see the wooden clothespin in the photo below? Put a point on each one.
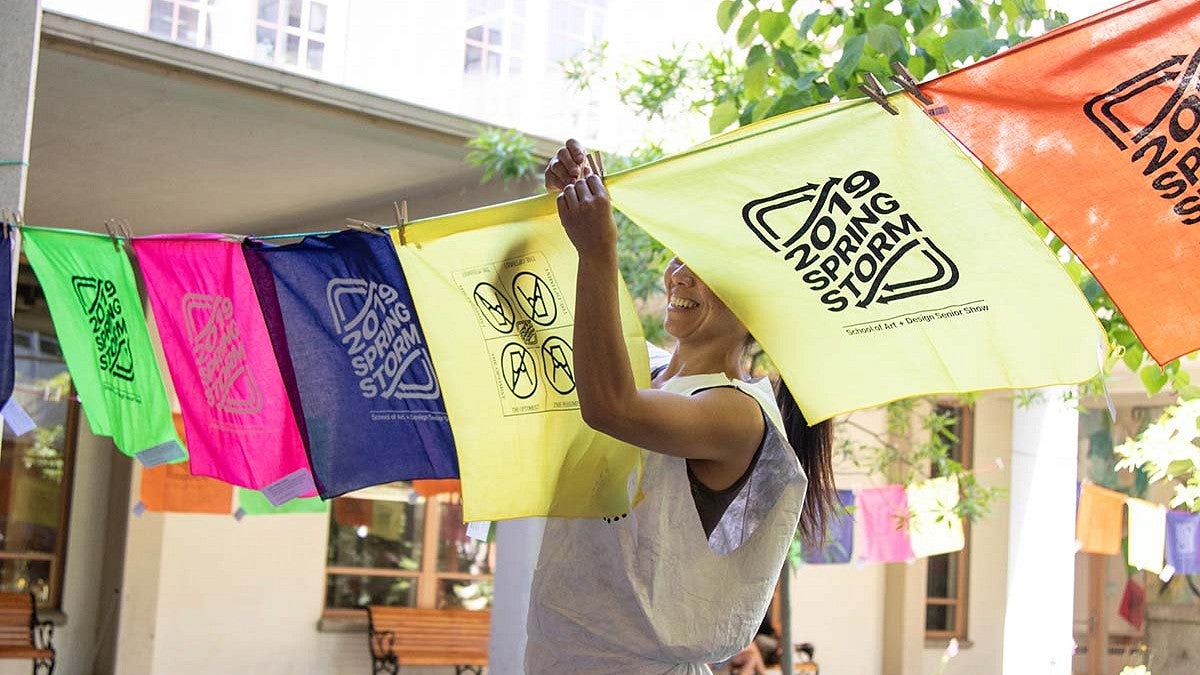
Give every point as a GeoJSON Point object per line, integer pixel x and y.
{"type": "Point", "coordinates": [401, 208]}
{"type": "Point", "coordinates": [109, 228]}
{"type": "Point", "coordinates": [125, 229]}
{"type": "Point", "coordinates": [596, 163]}
{"type": "Point", "coordinates": [370, 228]}
{"type": "Point", "coordinates": [909, 83]}
{"type": "Point", "coordinates": [874, 91]}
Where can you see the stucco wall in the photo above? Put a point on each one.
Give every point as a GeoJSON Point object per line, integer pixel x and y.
{"type": "Point", "coordinates": [839, 609]}
{"type": "Point", "coordinates": [208, 594]}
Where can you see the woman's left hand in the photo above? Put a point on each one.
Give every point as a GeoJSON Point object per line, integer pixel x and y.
{"type": "Point", "coordinates": [586, 214]}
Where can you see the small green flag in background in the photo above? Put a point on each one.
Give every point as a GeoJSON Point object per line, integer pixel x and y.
{"type": "Point", "coordinates": [253, 503]}
{"type": "Point", "coordinates": [93, 300]}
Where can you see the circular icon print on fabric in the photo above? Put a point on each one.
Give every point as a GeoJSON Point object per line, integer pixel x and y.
{"type": "Point", "coordinates": [535, 298]}
{"type": "Point", "coordinates": [519, 370]}
{"type": "Point", "coordinates": [495, 307]}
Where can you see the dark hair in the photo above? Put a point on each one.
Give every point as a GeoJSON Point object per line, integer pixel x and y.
{"type": "Point", "coordinates": [813, 444]}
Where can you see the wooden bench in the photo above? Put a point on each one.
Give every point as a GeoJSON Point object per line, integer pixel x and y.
{"type": "Point", "coordinates": [407, 636]}
{"type": "Point", "coordinates": [22, 635]}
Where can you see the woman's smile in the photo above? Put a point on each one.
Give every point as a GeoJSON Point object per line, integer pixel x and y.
{"type": "Point", "coordinates": [678, 303]}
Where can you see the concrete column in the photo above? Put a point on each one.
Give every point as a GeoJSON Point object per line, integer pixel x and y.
{"type": "Point", "coordinates": [20, 36]}
{"type": "Point", "coordinates": [517, 546]}
{"type": "Point", "coordinates": [904, 618]}
{"type": "Point", "coordinates": [1041, 550]}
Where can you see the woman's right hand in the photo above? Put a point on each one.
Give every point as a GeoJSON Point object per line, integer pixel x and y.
{"type": "Point", "coordinates": [567, 166]}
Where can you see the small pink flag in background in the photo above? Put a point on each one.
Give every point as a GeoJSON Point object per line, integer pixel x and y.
{"type": "Point", "coordinates": [239, 420]}
{"type": "Point", "coordinates": [884, 513]}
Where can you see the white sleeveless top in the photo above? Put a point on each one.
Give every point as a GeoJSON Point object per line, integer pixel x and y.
{"type": "Point", "coordinates": [646, 593]}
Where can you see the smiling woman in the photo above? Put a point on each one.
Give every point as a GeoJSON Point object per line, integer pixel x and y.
{"type": "Point", "coordinates": [684, 579]}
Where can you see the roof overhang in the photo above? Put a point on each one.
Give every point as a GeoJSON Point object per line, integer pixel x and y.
{"type": "Point", "coordinates": [175, 139]}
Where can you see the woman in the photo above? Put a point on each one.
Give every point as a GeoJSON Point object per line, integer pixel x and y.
{"type": "Point", "coordinates": [685, 578]}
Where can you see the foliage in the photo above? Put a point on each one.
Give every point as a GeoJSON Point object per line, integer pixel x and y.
{"type": "Point", "coordinates": [920, 439]}
{"type": "Point", "coordinates": [506, 154]}
{"type": "Point", "coordinates": [585, 69]}
{"type": "Point", "coordinates": [796, 59]}
{"type": "Point", "coordinates": [1168, 450]}
{"type": "Point", "coordinates": [787, 59]}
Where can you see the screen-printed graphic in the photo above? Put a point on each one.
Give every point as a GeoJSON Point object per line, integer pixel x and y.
{"type": "Point", "coordinates": [220, 354]}
{"type": "Point", "coordinates": [527, 326]}
{"type": "Point", "coordinates": [852, 242]}
{"type": "Point", "coordinates": [110, 335]}
{"type": "Point", "coordinates": [382, 340]}
{"type": "Point", "coordinates": [1163, 147]}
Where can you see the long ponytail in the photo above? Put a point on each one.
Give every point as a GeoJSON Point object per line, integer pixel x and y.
{"type": "Point", "coordinates": [814, 447]}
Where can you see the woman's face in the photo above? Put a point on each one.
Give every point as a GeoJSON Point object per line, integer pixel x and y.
{"type": "Point", "coordinates": [693, 310]}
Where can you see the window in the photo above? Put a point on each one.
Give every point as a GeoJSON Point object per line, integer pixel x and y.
{"type": "Point", "coordinates": [389, 546]}
{"type": "Point", "coordinates": [574, 26]}
{"type": "Point", "coordinates": [292, 33]}
{"type": "Point", "coordinates": [494, 37]}
{"type": "Point", "coordinates": [186, 21]}
{"type": "Point", "coordinates": [946, 577]}
{"type": "Point", "coordinates": [36, 468]}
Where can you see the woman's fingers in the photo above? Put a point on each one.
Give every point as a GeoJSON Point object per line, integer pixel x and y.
{"type": "Point", "coordinates": [570, 160]}
{"type": "Point", "coordinates": [596, 185]}
{"type": "Point", "coordinates": [571, 197]}
{"type": "Point", "coordinates": [568, 165]}
{"type": "Point", "coordinates": [557, 175]}
{"type": "Point", "coordinates": [575, 149]}
{"type": "Point", "coordinates": [563, 212]}
{"type": "Point", "coordinates": [582, 190]}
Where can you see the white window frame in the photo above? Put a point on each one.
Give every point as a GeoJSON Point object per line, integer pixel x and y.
{"type": "Point", "coordinates": [303, 33]}
{"type": "Point", "coordinates": [204, 8]}
{"type": "Point", "coordinates": [509, 15]}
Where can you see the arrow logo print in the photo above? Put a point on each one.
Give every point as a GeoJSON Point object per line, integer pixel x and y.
{"type": "Point", "coordinates": [852, 242]}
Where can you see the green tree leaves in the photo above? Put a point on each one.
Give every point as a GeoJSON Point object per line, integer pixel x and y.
{"type": "Point", "coordinates": [885, 39]}
{"type": "Point", "coordinates": [862, 36]}
{"type": "Point", "coordinates": [772, 24]}
{"type": "Point", "coordinates": [506, 154]}
{"type": "Point", "coordinates": [726, 11]}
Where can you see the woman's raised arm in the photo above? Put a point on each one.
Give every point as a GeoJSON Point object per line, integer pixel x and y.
{"type": "Point", "coordinates": [720, 424]}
